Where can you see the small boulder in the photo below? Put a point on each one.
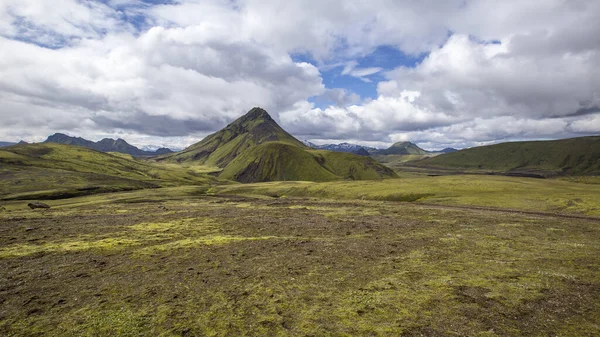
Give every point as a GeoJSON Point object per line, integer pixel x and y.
{"type": "Point", "coordinates": [34, 205]}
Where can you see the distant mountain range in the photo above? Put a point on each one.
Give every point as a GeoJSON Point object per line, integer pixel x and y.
{"type": "Point", "coordinates": [342, 147]}
{"type": "Point", "coordinates": [400, 148]}
{"type": "Point", "coordinates": [105, 145]}
{"type": "Point", "coordinates": [4, 144]}
{"type": "Point", "coordinates": [254, 148]}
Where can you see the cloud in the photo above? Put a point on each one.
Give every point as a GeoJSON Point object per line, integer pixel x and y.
{"type": "Point", "coordinates": [177, 70]}
{"type": "Point", "coordinates": [351, 69]}
{"type": "Point", "coordinates": [166, 82]}
{"type": "Point", "coordinates": [57, 23]}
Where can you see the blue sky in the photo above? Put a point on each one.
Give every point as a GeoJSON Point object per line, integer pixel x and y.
{"type": "Point", "coordinates": [441, 74]}
{"type": "Point", "coordinates": [384, 57]}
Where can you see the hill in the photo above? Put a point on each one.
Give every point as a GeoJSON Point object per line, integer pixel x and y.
{"type": "Point", "coordinates": [575, 156]}
{"type": "Point", "coordinates": [104, 145]}
{"type": "Point", "coordinates": [255, 148]}
{"type": "Point", "coordinates": [52, 171]}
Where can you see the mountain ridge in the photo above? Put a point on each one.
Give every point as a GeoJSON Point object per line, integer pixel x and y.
{"type": "Point", "coordinates": [104, 145]}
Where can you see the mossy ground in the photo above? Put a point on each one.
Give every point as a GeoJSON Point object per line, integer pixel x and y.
{"type": "Point", "coordinates": [180, 262]}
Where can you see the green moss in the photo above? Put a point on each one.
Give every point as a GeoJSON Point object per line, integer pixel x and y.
{"type": "Point", "coordinates": [66, 246]}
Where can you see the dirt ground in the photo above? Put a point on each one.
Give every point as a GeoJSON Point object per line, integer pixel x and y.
{"type": "Point", "coordinates": [238, 266]}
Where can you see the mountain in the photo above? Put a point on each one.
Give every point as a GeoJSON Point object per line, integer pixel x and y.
{"type": "Point", "coordinates": [575, 156]}
{"type": "Point", "coordinates": [447, 150]}
{"type": "Point", "coordinates": [342, 147]}
{"type": "Point", "coordinates": [156, 149]}
{"type": "Point", "coordinates": [255, 148]}
{"type": "Point", "coordinates": [402, 148]}
{"type": "Point", "coordinates": [104, 145]}
{"type": "Point", "coordinates": [361, 152]}
{"type": "Point", "coordinates": [163, 150]}
{"type": "Point", "coordinates": [220, 148]}
{"type": "Point", "coordinates": [5, 144]}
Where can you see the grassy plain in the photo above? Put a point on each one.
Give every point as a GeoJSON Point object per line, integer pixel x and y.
{"type": "Point", "coordinates": [200, 261]}
{"type": "Point", "coordinates": [576, 195]}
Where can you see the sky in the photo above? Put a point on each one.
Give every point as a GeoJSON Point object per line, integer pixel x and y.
{"type": "Point", "coordinates": [447, 73]}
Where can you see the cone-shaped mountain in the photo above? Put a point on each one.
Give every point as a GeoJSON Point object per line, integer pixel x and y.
{"type": "Point", "coordinates": [255, 148]}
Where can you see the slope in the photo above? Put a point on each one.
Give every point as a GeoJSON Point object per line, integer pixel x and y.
{"type": "Point", "coordinates": [276, 161]}
{"type": "Point", "coordinates": [575, 156]}
{"type": "Point", "coordinates": [48, 170]}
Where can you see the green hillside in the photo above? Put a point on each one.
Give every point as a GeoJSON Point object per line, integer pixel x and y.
{"type": "Point", "coordinates": [575, 156]}
{"type": "Point", "coordinates": [276, 161]}
{"type": "Point", "coordinates": [57, 171]}
{"type": "Point", "coordinates": [254, 148]}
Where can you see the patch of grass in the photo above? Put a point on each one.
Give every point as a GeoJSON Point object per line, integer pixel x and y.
{"type": "Point", "coordinates": [66, 246]}
{"type": "Point", "coordinates": [550, 195]}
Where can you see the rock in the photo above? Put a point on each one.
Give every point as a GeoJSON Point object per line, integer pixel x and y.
{"type": "Point", "coordinates": [34, 205]}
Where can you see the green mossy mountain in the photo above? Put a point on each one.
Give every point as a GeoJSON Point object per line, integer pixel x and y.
{"type": "Point", "coordinates": [575, 156]}
{"type": "Point", "coordinates": [402, 148]}
{"type": "Point", "coordinates": [220, 148]}
{"type": "Point", "coordinates": [255, 148]}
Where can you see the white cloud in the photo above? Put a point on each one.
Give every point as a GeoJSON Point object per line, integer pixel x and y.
{"type": "Point", "coordinates": [55, 23]}
{"type": "Point", "coordinates": [166, 82]}
{"type": "Point", "coordinates": [199, 64]}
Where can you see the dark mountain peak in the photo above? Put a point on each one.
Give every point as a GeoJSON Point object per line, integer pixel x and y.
{"type": "Point", "coordinates": [254, 116]}
{"type": "Point", "coordinates": [448, 150]}
{"type": "Point", "coordinates": [106, 141]}
{"type": "Point", "coordinates": [56, 136]}
{"type": "Point", "coordinates": [163, 150]}
{"type": "Point", "coordinates": [361, 152]}
{"type": "Point", "coordinates": [61, 138]}
{"type": "Point", "coordinates": [257, 113]}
